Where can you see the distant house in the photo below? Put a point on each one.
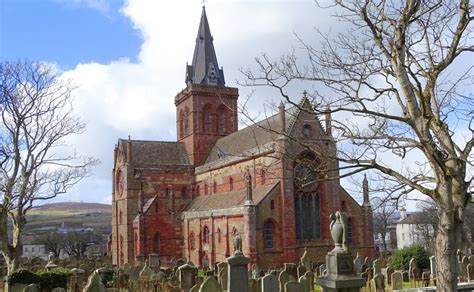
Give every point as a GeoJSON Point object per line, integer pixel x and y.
{"type": "Point", "coordinates": [34, 251]}
{"type": "Point", "coordinates": [415, 228]}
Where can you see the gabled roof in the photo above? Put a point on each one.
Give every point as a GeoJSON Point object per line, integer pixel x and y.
{"type": "Point", "coordinates": [204, 69]}
{"type": "Point", "coordinates": [252, 139]}
{"type": "Point", "coordinates": [156, 153]}
{"type": "Point", "coordinates": [230, 199]}
{"type": "Point", "coordinates": [418, 218]}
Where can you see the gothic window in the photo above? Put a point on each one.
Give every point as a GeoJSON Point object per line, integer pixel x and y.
{"type": "Point", "coordinates": [268, 230]}
{"type": "Point", "coordinates": [181, 124]}
{"type": "Point", "coordinates": [120, 217]}
{"type": "Point", "coordinates": [197, 190]}
{"type": "Point", "coordinates": [218, 235]}
{"type": "Point", "coordinates": [262, 175]}
{"type": "Point", "coordinates": [206, 118]}
{"type": "Point", "coordinates": [231, 184]}
{"type": "Point", "coordinates": [272, 204]}
{"type": "Point", "coordinates": [156, 207]}
{"type": "Point", "coordinates": [205, 235]}
{"type": "Point", "coordinates": [156, 243]}
{"type": "Point", "coordinates": [307, 216]}
{"type": "Point", "coordinates": [183, 192]}
{"type": "Point", "coordinates": [349, 231]}
{"type": "Point", "coordinates": [214, 188]}
{"type": "Point", "coordinates": [186, 121]}
{"type": "Point", "coordinates": [307, 131]}
{"type": "Point", "coordinates": [221, 119]}
{"type": "Point", "coordinates": [192, 242]}
{"type": "Point", "coordinates": [206, 189]}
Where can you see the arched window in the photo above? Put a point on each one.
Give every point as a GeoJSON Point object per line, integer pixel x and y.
{"type": "Point", "coordinates": [197, 190]}
{"type": "Point", "coordinates": [214, 188]}
{"type": "Point", "coordinates": [218, 235]}
{"type": "Point", "coordinates": [192, 242]}
{"type": "Point", "coordinates": [183, 192]}
{"type": "Point", "coordinates": [231, 184]}
{"type": "Point", "coordinates": [349, 231]}
{"type": "Point", "coordinates": [268, 235]}
{"type": "Point", "coordinates": [272, 205]}
{"type": "Point", "coordinates": [206, 187]}
{"type": "Point", "coordinates": [206, 118]}
{"type": "Point", "coordinates": [221, 118]}
{"type": "Point", "coordinates": [186, 121]}
{"type": "Point", "coordinates": [262, 176]}
{"type": "Point", "coordinates": [205, 235]}
{"type": "Point", "coordinates": [181, 124]}
{"type": "Point", "coordinates": [156, 243]}
{"type": "Point", "coordinates": [156, 207]}
{"type": "Point", "coordinates": [120, 217]}
{"type": "Point", "coordinates": [307, 216]}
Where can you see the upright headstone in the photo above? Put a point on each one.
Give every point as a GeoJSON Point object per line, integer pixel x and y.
{"type": "Point", "coordinates": [433, 267]}
{"type": "Point", "coordinates": [94, 283]}
{"type": "Point", "coordinates": [32, 288]}
{"type": "Point", "coordinates": [305, 260]}
{"type": "Point", "coordinates": [210, 285]}
{"type": "Point", "coordinates": [292, 270]}
{"type": "Point", "coordinates": [237, 273]}
{"type": "Point", "coordinates": [187, 276]}
{"type": "Point", "coordinates": [470, 272]}
{"type": "Point", "coordinates": [221, 266]}
{"type": "Point", "coordinates": [292, 286]}
{"type": "Point", "coordinates": [140, 258]}
{"type": "Point", "coordinates": [379, 282]}
{"type": "Point", "coordinates": [255, 271]}
{"type": "Point", "coordinates": [253, 285]}
{"type": "Point", "coordinates": [305, 284]}
{"type": "Point", "coordinates": [154, 262]}
{"type": "Point", "coordinates": [358, 263]}
{"type": "Point", "coordinates": [411, 269]}
{"type": "Point", "coordinates": [397, 281]}
{"type": "Point", "coordinates": [283, 278]}
{"type": "Point", "coordinates": [222, 278]}
{"type": "Point", "coordinates": [301, 270]}
{"type": "Point", "coordinates": [270, 283]}
{"type": "Point", "coordinates": [389, 273]}
{"type": "Point", "coordinates": [377, 266]}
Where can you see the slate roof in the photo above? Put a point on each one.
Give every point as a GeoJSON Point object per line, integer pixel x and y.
{"type": "Point", "coordinates": [156, 153]}
{"type": "Point", "coordinates": [229, 199]}
{"type": "Point", "coordinates": [417, 218]}
{"type": "Point", "coordinates": [253, 138]}
{"type": "Point", "coordinates": [204, 69]}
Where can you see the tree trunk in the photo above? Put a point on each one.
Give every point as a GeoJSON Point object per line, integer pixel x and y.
{"type": "Point", "coordinates": [447, 239]}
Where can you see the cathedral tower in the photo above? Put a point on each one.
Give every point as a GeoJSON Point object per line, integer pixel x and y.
{"type": "Point", "coordinates": [206, 109]}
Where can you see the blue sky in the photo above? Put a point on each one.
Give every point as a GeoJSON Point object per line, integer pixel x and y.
{"type": "Point", "coordinates": [66, 33]}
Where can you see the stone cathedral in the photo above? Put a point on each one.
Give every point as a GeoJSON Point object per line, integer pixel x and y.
{"type": "Point", "coordinates": [189, 198]}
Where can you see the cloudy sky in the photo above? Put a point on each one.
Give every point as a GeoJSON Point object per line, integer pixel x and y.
{"type": "Point", "coordinates": [128, 59]}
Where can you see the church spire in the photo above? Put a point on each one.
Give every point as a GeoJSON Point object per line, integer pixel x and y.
{"type": "Point", "coordinates": [204, 69]}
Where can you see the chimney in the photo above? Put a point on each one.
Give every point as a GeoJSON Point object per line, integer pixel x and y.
{"type": "Point", "coordinates": [403, 213]}
{"type": "Point", "coordinates": [281, 114]}
{"type": "Point", "coordinates": [328, 121]}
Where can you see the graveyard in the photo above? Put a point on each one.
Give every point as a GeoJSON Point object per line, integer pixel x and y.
{"type": "Point", "coordinates": [342, 271]}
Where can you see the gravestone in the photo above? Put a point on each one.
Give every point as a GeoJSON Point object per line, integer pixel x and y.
{"type": "Point", "coordinates": [237, 273]}
{"type": "Point", "coordinates": [463, 266]}
{"type": "Point", "coordinates": [292, 270]}
{"type": "Point", "coordinates": [222, 278]}
{"type": "Point", "coordinates": [433, 267]}
{"type": "Point", "coordinates": [292, 286]}
{"type": "Point", "coordinates": [411, 268]}
{"type": "Point", "coordinates": [389, 273]}
{"type": "Point", "coordinates": [425, 278]}
{"type": "Point", "coordinates": [310, 276]}
{"type": "Point", "coordinates": [397, 281]}
{"type": "Point", "coordinates": [358, 263]}
{"type": "Point", "coordinates": [459, 254]}
{"type": "Point", "coordinates": [283, 278]}
{"type": "Point", "coordinates": [146, 272]}
{"type": "Point", "coordinates": [377, 266]}
{"type": "Point", "coordinates": [140, 258]}
{"type": "Point", "coordinates": [221, 266]}
{"type": "Point", "coordinates": [32, 288]}
{"type": "Point", "coordinates": [154, 262]}
{"type": "Point", "coordinates": [305, 260]}
{"type": "Point", "coordinates": [187, 276]}
{"type": "Point", "coordinates": [305, 285]}
{"type": "Point", "coordinates": [253, 285]}
{"type": "Point", "coordinates": [301, 271]}
{"type": "Point", "coordinates": [470, 272]}
{"type": "Point", "coordinates": [270, 283]}
{"type": "Point", "coordinates": [255, 271]}
{"type": "Point", "coordinates": [379, 282]}
{"type": "Point", "coordinates": [405, 276]}
{"type": "Point", "coordinates": [210, 285]}
{"type": "Point", "coordinates": [94, 283]}
{"type": "Point", "coordinates": [58, 289]}
{"type": "Point", "coordinates": [322, 269]}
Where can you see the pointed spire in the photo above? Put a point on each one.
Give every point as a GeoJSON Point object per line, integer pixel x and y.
{"type": "Point", "coordinates": [282, 116]}
{"type": "Point", "coordinates": [204, 69]}
{"type": "Point", "coordinates": [365, 191]}
{"type": "Point", "coordinates": [328, 121]}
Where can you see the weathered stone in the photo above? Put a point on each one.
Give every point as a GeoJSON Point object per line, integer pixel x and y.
{"type": "Point", "coordinates": [270, 283]}
{"type": "Point", "coordinates": [210, 285]}
{"type": "Point", "coordinates": [379, 282]}
{"type": "Point", "coordinates": [305, 285]}
{"type": "Point", "coordinates": [237, 277]}
{"type": "Point", "coordinates": [187, 276]}
{"type": "Point", "coordinates": [94, 283]}
{"type": "Point", "coordinates": [253, 285]}
{"type": "Point", "coordinates": [389, 271]}
{"type": "Point", "coordinates": [377, 266]}
{"type": "Point", "coordinates": [222, 278]}
{"type": "Point", "coordinates": [358, 263]}
{"type": "Point", "coordinates": [292, 286]}
{"type": "Point", "coordinates": [283, 278]}
{"type": "Point", "coordinates": [32, 288]}
{"type": "Point", "coordinates": [292, 270]}
{"type": "Point", "coordinates": [397, 281]}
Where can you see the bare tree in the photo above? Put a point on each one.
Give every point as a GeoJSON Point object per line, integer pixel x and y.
{"type": "Point", "coordinates": [36, 164]}
{"type": "Point", "coordinates": [383, 214]}
{"type": "Point", "coordinates": [75, 243]}
{"type": "Point", "coordinates": [53, 242]}
{"type": "Point", "coordinates": [402, 78]}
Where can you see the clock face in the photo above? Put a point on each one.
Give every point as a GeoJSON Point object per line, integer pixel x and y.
{"type": "Point", "coordinates": [304, 174]}
{"type": "Point", "coordinates": [120, 183]}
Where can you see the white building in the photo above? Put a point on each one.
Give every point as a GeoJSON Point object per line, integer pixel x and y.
{"type": "Point", "coordinates": [35, 251]}
{"type": "Point", "coordinates": [416, 228]}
